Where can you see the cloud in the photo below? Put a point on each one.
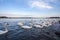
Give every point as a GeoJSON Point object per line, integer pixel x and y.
{"type": "Point", "coordinates": [39, 4]}
{"type": "Point", "coordinates": [50, 0]}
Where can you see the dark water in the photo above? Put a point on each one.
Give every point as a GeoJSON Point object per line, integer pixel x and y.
{"type": "Point", "coordinates": [17, 33]}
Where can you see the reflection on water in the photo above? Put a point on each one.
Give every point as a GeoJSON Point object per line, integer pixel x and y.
{"type": "Point", "coordinates": [17, 33]}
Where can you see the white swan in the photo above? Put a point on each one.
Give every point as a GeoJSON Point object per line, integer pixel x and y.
{"type": "Point", "coordinates": [6, 30]}
{"type": "Point", "coordinates": [38, 26]}
{"type": "Point", "coordinates": [24, 26]}
{"type": "Point", "coordinates": [20, 23]}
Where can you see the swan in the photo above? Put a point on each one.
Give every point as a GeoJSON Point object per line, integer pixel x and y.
{"type": "Point", "coordinates": [6, 30]}
{"type": "Point", "coordinates": [20, 23]}
{"type": "Point", "coordinates": [38, 26]}
{"type": "Point", "coordinates": [24, 26]}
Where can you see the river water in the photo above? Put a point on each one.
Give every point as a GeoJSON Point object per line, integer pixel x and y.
{"type": "Point", "coordinates": [16, 33]}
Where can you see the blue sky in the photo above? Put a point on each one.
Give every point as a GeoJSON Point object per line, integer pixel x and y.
{"type": "Point", "coordinates": [40, 8]}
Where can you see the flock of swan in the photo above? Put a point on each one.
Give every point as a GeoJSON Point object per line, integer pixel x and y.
{"type": "Point", "coordinates": [31, 24]}
{"type": "Point", "coordinates": [45, 23]}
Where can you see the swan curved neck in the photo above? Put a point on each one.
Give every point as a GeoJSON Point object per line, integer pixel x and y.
{"type": "Point", "coordinates": [6, 27]}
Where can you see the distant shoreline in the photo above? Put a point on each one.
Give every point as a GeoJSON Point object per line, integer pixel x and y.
{"type": "Point", "coordinates": [27, 17]}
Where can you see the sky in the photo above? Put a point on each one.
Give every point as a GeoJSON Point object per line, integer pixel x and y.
{"type": "Point", "coordinates": [36, 8]}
